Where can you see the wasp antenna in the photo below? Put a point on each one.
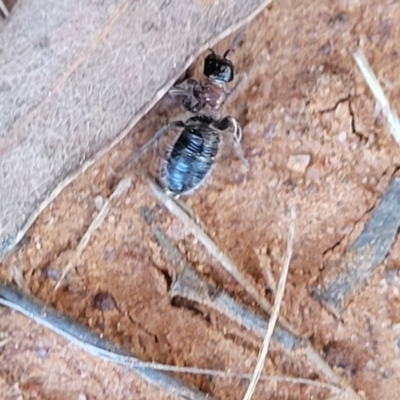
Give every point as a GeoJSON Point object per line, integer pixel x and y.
{"type": "Point", "coordinates": [238, 37]}
{"type": "Point", "coordinates": [226, 53]}
{"type": "Point", "coordinates": [212, 51]}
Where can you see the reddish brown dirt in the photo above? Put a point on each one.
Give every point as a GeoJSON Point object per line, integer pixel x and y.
{"type": "Point", "coordinates": [303, 95]}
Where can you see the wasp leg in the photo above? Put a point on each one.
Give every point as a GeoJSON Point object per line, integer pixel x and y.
{"type": "Point", "coordinates": [152, 142]}
{"type": "Point", "coordinates": [193, 106]}
{"type": "Point", "coordinates": [177, 90]}
{"type": "Point", "coordinates": [239, 82]}
{"type": "Point", "coordinates": [191, 92]}
{"type": "Point", "coordinates": [237, 133]}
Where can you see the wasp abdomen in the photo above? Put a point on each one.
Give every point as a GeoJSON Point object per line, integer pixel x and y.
{"type": "Point", "coordinates": [191, 159]}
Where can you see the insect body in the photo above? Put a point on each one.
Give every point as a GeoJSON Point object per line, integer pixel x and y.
{"type": "Point", "coordinates": [192, 156]}
{"type": "Point", "coordinates": [193, 153]}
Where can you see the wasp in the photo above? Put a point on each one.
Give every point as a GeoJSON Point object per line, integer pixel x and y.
{"type": "Point", "coordinates": [213, 93]}
{"type": "Point", "coordinates": [193, 154]}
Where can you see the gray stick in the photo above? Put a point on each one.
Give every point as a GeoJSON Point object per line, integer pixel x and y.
{"type": "Point", "coordinates": [90, 342]}
{"type": "Point", "coordinates": [190, 286]}
{"type": "Point", "coordinates": [342, 279]}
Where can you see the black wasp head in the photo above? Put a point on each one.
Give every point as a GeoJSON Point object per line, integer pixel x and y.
{"type": "Point", "coordinates": [218, 69]}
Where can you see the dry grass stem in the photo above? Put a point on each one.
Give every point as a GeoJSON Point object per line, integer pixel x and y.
{"type": "Point", "coordinates": [265, 266]}
{"type": "Point", "coordinates": [224, 374]}
{"type": "Point", "coordinates": [379, 95]}
{"type": "Point", "coordinates": [345, 395]}
{"type": "Point", "coordinates": [5, 341]}
{"type": "Point", "coordinates": [121, 188]}
{"type": "Point", "coordinates": [347, 391]}
{"type": "Point", "coordinates": [275, 314]}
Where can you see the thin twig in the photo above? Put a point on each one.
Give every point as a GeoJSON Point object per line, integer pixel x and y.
{"type": "Point", "coordinates": [211, 246]}
{"type": "Point", "coordinates": [377, 91]}
{"type": "Point", "coordinates": [5, 341]}
{"type": "Point", "coordinates": [352, 271]}
{"type": "Point", "coordinates": [121, 188]}
{"type": "Point", "coordinates": [89, 341]}
{"type": "Point", "coordinates": [102, 348]}
{"type": "Point", "coordinates": [224, 374]}
{"type": "Point", "coordinates": [188, 285]}
{"type": "Point", "coordinates": [275, 314]}
{"type": "Point", "coordinates": [215, 251]}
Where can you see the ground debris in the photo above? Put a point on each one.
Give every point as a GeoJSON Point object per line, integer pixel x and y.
{"type": "Point", "coordinates": [90, 342]}
{"type": "Point", "coordinates": [299, 163]}
{"type": "Point", "coordinates": [343, 279]}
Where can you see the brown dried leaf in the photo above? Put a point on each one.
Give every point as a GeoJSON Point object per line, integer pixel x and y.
{"type": "Point", "coordinates": [77, 76]}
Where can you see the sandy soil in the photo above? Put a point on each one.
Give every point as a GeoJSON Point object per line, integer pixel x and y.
{"type": "Point", "coordinates": [302, 95]}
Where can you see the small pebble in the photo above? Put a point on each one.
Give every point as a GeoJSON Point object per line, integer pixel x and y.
{"type": "Point", "coordinates": [396, 329]}
{"type": "Point", "coordinates": [313, 173]}
{"type": "Point", "coordinates": [51, 273]}
{"type": "Point", "coordinates": [272, 183]}
{"type": "Point", "coordinates": [342, 138]}
{"type": "Point", "coordinates": [371, 365]}
{"type": "Point", "coordinates": [38, 242]}
{"type": "Point", "coordinates": [99, 202]}
{"type": "Point", "coordinates": [104, 301]}
{"type": "Point", "coordinates": [42, 353]}
{"type": "Point", "coordinates": [269, 133]}
{"type": "Point", "coordinates": [299, 162]}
